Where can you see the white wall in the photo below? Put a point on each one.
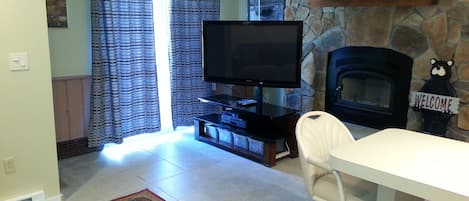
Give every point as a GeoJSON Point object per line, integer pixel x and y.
{"type": "Point", "coordinates": [70, 48]}
{"type": "Point", "coordinates": [26, 110]}
{"type": "Point", "coordinates": [233, 10]}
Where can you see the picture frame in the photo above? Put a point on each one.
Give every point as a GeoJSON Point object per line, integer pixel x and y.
{"type": "Point", "coordinates": [57, 13]}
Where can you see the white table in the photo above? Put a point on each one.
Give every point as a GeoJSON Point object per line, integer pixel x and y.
{"type": "Point", "coordinates": [426, 166]}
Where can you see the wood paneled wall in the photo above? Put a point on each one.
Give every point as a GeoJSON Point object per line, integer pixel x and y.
{"type": "Point", "coordinates": [71, 106]}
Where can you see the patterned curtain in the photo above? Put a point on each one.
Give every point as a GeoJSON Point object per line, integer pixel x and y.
{"type": "Point", "coordinates": [186, 18]}
{"type": "Point", "coordinates": [124, 99]}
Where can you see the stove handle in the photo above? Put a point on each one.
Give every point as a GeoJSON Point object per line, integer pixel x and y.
{"type": "Point", "coordinates": [338, 91]}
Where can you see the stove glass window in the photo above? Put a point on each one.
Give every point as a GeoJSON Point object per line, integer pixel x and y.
{"type": "Point", "coordinates": [369, 91]}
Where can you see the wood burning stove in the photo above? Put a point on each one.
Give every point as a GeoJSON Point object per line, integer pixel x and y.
{"type": "Point", "coordinates": [369, 86]}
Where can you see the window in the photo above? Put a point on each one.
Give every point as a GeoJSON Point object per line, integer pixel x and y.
{"type": "Point", "coordinates": [162, 42]}
{"type": "Point", "coordinates": [266, 9]}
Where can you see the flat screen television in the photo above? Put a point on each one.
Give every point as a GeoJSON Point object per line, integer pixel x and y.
{"type": "Point", "coordinates": [254, 53]}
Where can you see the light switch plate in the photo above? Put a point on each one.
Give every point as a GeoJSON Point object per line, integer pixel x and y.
{"type": "Point", "coordinates": [18, 61]}
{"type": "Point", "coordinates": [9, 165]}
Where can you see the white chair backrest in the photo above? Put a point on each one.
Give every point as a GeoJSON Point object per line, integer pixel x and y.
{"type": "Point", "coordinates": [318, 132]}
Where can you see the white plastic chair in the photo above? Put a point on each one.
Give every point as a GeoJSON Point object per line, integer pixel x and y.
{"type": "Point", "coordinates": [317, 133]}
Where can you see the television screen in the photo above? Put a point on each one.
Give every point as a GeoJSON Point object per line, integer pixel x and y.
{"type": "Point", "coordinates": [259, 53]}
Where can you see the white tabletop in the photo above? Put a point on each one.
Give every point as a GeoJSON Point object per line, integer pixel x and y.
{"type": "Point", "coordinates": [427, 166]}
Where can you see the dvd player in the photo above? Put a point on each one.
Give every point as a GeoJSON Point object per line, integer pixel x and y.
{"type": "Point", "coordinates": [232, 119]}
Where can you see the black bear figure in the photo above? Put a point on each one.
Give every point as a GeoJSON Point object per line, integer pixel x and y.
{"type": "Point", "coordinates": [435, 122]}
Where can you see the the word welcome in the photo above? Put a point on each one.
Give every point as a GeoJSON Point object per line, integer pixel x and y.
{"type": "Point", "coordinates": [434, 102]}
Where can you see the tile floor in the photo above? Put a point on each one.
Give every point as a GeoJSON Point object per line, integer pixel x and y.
{"type": "Point", "coordinates": [179, 168]}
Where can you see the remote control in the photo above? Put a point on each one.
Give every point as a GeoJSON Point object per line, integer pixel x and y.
{"type": "Point", "coordinates": [246, 102]}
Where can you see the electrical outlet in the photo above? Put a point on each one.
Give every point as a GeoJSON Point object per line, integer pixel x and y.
{"type": "Point", "coordinates": [9, 165]}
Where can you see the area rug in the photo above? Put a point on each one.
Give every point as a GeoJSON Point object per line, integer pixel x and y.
{"type": "Point", "coordinates": [144, 195]}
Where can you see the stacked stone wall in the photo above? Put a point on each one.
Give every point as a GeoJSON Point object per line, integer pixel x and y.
{"type": "Point", "coordinates": [440, 31]}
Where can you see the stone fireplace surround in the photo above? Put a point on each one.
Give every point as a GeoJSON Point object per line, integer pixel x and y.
{"type": "Point", "coordinates": [440, 31]}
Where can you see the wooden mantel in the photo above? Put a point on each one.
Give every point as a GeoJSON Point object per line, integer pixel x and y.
{"type": "Point", "coordinates": [370, 3]}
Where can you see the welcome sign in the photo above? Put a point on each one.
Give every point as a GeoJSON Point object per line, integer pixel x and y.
{"type": "Point", "coordinates": [434, 102]}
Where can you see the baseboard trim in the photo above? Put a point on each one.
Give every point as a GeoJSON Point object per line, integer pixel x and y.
{"type": "Point", "coordinates": [75, 147]}
{"type": "Point", "coordinates": [37, 196]}
{"type": "Point", "coordinates": [55, 198]}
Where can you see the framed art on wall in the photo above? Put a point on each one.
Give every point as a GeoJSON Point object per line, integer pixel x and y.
{"type": "Point", "coordinates": [57, 13]}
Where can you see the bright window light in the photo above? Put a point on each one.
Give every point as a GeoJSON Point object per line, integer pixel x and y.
{"type": "Point", "coordinates": [139, 143]}
{"type": "Point", "coordinates": [162, 44]}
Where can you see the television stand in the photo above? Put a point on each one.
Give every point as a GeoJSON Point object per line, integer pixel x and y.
{"type": "Point", "coordinates": [262, 132]}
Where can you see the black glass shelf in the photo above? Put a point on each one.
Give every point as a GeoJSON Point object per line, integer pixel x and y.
{"type": "Point", "coordinates": [263, 109]}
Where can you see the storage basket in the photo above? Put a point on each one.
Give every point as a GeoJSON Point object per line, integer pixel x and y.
{"type": "Point", "coordinates": [225, 136]}
{"type": "Point", "coordinates": [240, 141]}
{"type": "Point", "coordinates": [211, 131]}
{"type": "Point", "coordinates": [256, 146]}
